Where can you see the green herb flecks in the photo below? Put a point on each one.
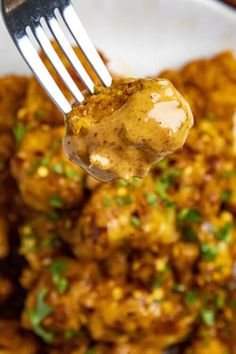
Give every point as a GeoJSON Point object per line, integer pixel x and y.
{"type": "Point", "coordinates": [189, 215]}
{"type": "Point", "coordinates": [208, 316]}
{"type": "Point", "coordinates": [38, 315]}
{"type": "Point", "coordinates": [209, 252]}
{"type": "Point", "coordinates": [226, 196]}
{"type": "Point", "coordinates": [56, 201]}
{"type": "Point", "coordinates": [58, 169]}
{"type": "Point", "coordinates": [122, 183]}
{"type": "Point", "coordinates": [135, 221]}
{"type": "Point", "coordinates": [225, 233]}
{"type": "Point", "coordinates": [191, 298]}
{"type": "Point", "coordinates": [57, 269]}
{"type": "Point", "coordinates": [107, 202]}
{"type": "Point", "coordinates": [151, 199]}
{"type": "Point", "coordinates": [123, 201]}
{"type": "Point", "coordinates": [19, 131]}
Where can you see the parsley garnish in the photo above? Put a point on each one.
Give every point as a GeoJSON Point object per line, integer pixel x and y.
{"type": "Point", "coordinates": [188, 214]}
{"type": "Point", "coordinates": [122, 201]}
{"type": "Point", "coordinates": [57, 268]}
{"type": "Point", "coordinates": [163, 164]}
{"type": "Point", "coordinates": [135, 221]}
{"type": "Point", "coordinates": [190, 298]}
{"type": "Point", "coordinates": [38, 314]}
{"type": "Point", "coordinates": [151, 199]}
{"type": "Point", "coordinates": [20, 130]}
{"type": "Point", "coordinates": [56, 201]}
{"type": "Point", "coordinates": [107, 202]}
{"type": "Point", "coordinates": [226, 196]}
{"type": "Point", "coordinates": [58, 169]}
{"type": "Point", "coordinates": [189, 234]}
{"type": "Point", "coordinates": [122, 183]}
{"type": "Point", "coordinates": [71, 174]}
{"type": "Point", "coordinates": [224, 233]}
{"type": "Point", "coordinates": [209, 252]}
{"type": "Point", "coordinates": [208, 316]}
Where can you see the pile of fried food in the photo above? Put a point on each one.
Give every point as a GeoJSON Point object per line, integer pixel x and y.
{"type": "Point", "coordinates": [121, 268]}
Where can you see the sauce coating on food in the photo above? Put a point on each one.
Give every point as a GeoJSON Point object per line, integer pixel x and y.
{"type": "Point", "coordinates": [121, 131]}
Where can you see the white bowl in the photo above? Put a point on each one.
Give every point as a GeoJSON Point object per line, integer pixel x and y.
{"type": "Point", "coordinates": [142, 37]}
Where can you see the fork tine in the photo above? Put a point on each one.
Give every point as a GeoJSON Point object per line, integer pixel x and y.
{"type": "Point", "coordinates": [80, 35]}
{"type": "Point", "coordinates": [47, 47]}
{"type": "Point", "coordinates": [42, 74]}
{"type": "Point", "coordinates": [69, 53]}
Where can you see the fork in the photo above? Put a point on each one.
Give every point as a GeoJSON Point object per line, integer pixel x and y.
{"type": "Point", "coordinates": [27, 20]}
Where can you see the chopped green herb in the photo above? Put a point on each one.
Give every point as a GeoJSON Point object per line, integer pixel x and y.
{"type": "Point", "coordinates": [135, 221]}
{"type": "Point", "coordinates": [209, 252]}
{"type": "Point", "coordinates": [208, 316]}
{"type": "Point", "coordinates": [157, 283]}
{"type": "Point", "coordinates": [107, 202]}
{"type": "Point", "coordinates": [40, 112]}
{"type": "Point", "coordinates": [226, 196]}
{"type": "Point", "coordinates": [151, 199]}
{"type": "Point", "coordinates": [38, 314]}
{"type": "Point", "coordinates": [20, 130]}
{"type": "Point", "coordinates": [170, 176]}
{"type": "Point", "coordinates": [122, 201]}
{"type": "Point", "coordinates": [163, 164]}
{"type": "Point", "coordinates": [71, 174]}
{"type": "Point", "coordinates": [71, 333]}
{"type": "Point", "coordinates": [189, 234]}
{"type": "Point", "coordinates": [161, 188]}
{"type": "Point", "coordinates": [134, 181]}
{"type": "Point", "coordinates": [45, 160]}
{"type": "Point", "coordinates": [188, 214]}
{"type": "Point", "coordinates": [190, 298]}
{"type": "Point", "coordinates": [225, 233]}
{"type": "Point", "coordinates": [57, 268]}
{"type": "Point", "coordinates": [58, 169]}
{"type": "Point", "coordinates": [55, 145]}
{"type": "Point", "coordinates": [56, 201]}
{"type": "Point", "coordinates": [122, 183]}
{"type": "Point", "coordinates": [219, 301]}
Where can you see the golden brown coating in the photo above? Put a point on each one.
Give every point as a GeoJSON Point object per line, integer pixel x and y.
{"type": "Point", "coordinates": [123, 215]}
{"type": "Point", "coordinates": [12, 93]}
{"type": "Point", "coordinates": [57, 302]}
{"type": "Point", "coordinates": [46, 179]}
{"type": "Point", "coordinates": [121, 131]}
{"type": "Point", "coordinates": [13, 340]}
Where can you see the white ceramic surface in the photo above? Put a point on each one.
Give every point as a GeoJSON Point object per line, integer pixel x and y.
{"type": "Point", "coordinates": [142, 37]}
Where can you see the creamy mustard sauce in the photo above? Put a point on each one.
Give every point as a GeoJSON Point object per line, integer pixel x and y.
{"type": "Point", "coordinates": [124, 137]}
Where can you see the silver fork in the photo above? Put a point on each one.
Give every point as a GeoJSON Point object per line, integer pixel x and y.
{"type": "Point", "coordinates": [27, 18]}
